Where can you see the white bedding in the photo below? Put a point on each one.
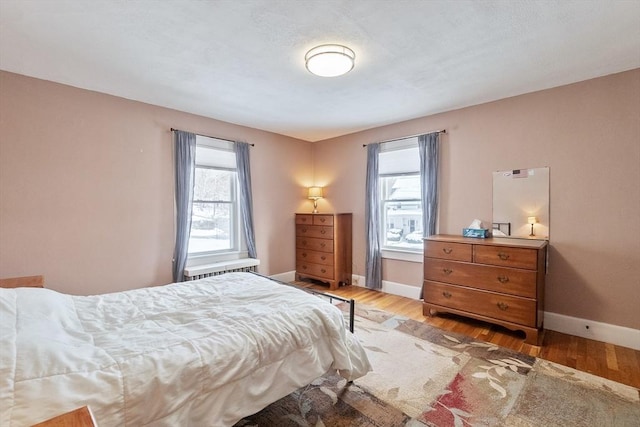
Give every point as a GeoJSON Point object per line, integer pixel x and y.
{"type": "Point", "coordinates": [202, 353]}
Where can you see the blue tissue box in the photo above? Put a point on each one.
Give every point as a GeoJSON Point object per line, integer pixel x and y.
{"type": "Point", "coordinates": [479, 233]}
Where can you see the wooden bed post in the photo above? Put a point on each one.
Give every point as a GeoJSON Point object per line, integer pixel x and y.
{"type": "Point", "coordinates": [23, 282]}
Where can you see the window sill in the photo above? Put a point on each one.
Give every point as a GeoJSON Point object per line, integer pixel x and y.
{"type": "Point", "coordinates": [203, 259]}
{"type": "Point", "coordinates": [410, 256]}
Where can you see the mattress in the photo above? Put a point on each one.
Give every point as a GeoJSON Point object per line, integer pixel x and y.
{"type": "Point", "coordinates": [201, 353]}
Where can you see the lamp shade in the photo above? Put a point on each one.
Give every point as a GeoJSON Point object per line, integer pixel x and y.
{"type": "Point", "coordinates": [532, 220]}
{"type": "Point", "coordinates": [315, 192]}
{"type": "Point", "coordinates": [330, 60]}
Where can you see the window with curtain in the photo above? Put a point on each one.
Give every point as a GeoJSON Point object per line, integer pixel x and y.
{"type": "Point", "coordinates": [215, 221]}
{"type": "Point", "coordinates": [400, 196]}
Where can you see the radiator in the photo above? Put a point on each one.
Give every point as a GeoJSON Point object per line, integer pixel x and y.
{"type": "Point", "coordinates": [217, 273]}
{"type": "Point", "coordinates": [200, 272]}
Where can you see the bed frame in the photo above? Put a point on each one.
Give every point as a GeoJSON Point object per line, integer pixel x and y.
{"type": "Point", "coordinates": [23, 282]}
{"type": "Point", "coordinates": [330, 297]}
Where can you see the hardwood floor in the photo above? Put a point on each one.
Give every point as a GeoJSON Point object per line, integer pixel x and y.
{"type": "Point", "coordinates": [610, 361]}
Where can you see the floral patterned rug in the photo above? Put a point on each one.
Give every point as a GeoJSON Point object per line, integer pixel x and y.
{"type": "Point", "coordinates": [425, 376]}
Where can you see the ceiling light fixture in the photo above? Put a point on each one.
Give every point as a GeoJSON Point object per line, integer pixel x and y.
{"type": "Point", "coordinates": [330, 60]}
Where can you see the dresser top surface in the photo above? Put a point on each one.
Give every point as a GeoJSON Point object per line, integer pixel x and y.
{"type": "Point", "coordinates": [491, 241]}
{"type": "Point", "coordinates": [323, 213]}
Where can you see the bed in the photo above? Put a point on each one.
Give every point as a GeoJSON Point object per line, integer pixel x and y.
{"type": "Point", "coordinates": [201, 353]}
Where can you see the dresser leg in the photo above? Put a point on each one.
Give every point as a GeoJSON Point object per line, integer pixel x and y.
{"type": "Point", "coordinates": [427, 311]}
{"type": "Point", "coordinates": [532, 336]}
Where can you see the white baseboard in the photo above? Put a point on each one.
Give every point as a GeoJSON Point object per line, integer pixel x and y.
{"type": "Point", "coordinates": [613, 334]}
{"type": "Point", "coordinates": [605, 332]}
{"type": "Point", "coordinates": [287, 276]}
{"type": "Point", "coordinates": [393, 288]}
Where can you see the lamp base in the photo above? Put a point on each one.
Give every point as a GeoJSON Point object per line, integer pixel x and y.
{"type": "Point", "coordinates": [315, 206]}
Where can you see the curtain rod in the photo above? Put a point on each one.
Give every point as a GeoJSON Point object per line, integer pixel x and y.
{"type": "Point", "coordinates": [214, 137]}
{"type": "Point", "coordinates": [410, 136]}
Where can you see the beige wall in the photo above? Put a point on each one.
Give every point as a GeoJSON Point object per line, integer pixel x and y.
{"type": "Point", "coordinates": [86, 187]}
{"type": "Point", "coordinates": [587, 133]}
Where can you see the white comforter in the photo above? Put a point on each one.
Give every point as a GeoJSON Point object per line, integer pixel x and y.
{"type": "Point", "coordinates": [202, 353]}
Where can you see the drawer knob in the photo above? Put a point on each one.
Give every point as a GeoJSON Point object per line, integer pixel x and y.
{"type": "Point", "coordinates": [447, 271]}
{"type": "Point", "coordinates": [446, 294]}
{"type": "Point", "coordinates": [324, 258]}
{"type": "Point", "coordinates": [447, 250]}
{"type": "Point", "coordinates": [503, 256]}
{"type": "Point", "coordinates": [322, 245]}
{"type": "Point", "coordinates": [502, 306]}
{"type": "Point", "coordinates": [322, 219]}
{"type": "Point", "coordinates": [323, 231]}
{"type": "Point", "coordinates": [304, 254]}
{"type": "Point", "coordinates": [503, 279]}
{"type": "Point", "coordinates": [304, 230]}
{"type": "Point", "coordinates": [323, 270]}
{"type": "Point", "coordinates": [303, 243]}
{"type": "Point", "coordinates": [304, 267]}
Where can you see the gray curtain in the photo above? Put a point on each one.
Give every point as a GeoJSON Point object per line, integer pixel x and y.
{"type": "Point", "coordinates": [429, 147]}
{"type": "Point", "coordinates": [185, 160]}
{"type": "Point", "coordinates": [373, 278]}
{"type": "Point", "coordinates": [246, 198]}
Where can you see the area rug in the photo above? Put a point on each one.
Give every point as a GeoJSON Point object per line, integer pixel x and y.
{"type": "Point", "coordinates": [425, 376]}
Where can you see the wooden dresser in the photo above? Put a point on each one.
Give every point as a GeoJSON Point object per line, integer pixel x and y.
{"type": "Point", "coordinates": [323, 248]}
{"type": "Point", "coordinates": [496, 280]}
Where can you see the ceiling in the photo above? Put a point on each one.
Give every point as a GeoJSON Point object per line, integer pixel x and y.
{"type": "Point", "coordinates": [243, 61]}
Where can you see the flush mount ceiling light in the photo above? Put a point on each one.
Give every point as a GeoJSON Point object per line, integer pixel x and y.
{"type": "Point", "coordinates": [329, 60]}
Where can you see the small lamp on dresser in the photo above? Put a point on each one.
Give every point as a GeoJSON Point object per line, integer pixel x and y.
{"type": "Point", "coordinates": [532, 220]}
{"type": "Point", "coordinates": [315, 193]}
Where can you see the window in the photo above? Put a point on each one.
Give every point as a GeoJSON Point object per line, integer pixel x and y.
{"type": "Point", "coordinates": [400, 198]}
{"type": "Point", "coordinates": [215, 224]}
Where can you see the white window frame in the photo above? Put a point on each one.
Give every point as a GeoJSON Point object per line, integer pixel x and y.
{"type": "Point", "coordinates": [239, 248]}
{"type": "Point", "coordinates": [409, 168]}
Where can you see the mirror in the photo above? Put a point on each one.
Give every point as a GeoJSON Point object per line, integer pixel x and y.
{"type": "Point", "coordinates": [521, 203]}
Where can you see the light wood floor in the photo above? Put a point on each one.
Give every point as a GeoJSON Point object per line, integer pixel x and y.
{"type": "Point", "coordinates": [610, 361]}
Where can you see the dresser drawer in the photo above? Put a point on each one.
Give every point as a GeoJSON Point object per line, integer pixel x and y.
{"type": "Point", "coordinates": [322, 219]}
{"type": "Point", "coordinates": [314, 257]}
{"type": "Point", "coordinates": [498, 279]}
{"type": "Point", "coordinates": [506, 256]}
{"type": "Point", "coordinates": [304, 219]}
{"type": "Point", "coordinates": [503, 307]}
{"type": "Point", "coordinates": [324, 271]}
{"type": "Point", "coordinates": [323, 245]}
{"type": "Point", "coordinates": [446, 250]}
{"type": "Point", "coordinates": [318, 231]}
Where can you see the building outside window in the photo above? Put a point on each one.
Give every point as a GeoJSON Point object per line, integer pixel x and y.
{"type": "Point", "coordinates": [401, 203]}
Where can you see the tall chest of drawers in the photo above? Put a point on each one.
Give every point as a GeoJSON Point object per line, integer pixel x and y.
{"type": "Point", "coordinates": [496, 280]}
{"type": "Point", "coordinates": [324, 248]}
